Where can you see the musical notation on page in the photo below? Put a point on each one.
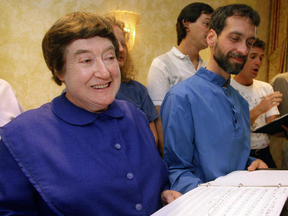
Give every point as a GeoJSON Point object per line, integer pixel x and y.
{"type": "Point", "coordinates": [261, 192]}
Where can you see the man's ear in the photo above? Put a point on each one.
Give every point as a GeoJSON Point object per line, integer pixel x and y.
{"type": "Point", "coordinates": [211, 38]}
{"type": "Point", "coordinates": [186, 24]}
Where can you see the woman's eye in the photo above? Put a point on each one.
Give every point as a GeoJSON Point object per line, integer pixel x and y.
{"type": "Point", "coordinates": [84, 60]}
{"type": "Point", "coordinates": [110, 58]}
{"type": "Point", "coordinates": [124, 45]}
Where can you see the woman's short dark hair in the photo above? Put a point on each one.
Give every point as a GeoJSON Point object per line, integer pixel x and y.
{"type": "Point", "coordinates": [218, 18]}
{"type": "Point", "coordinates": [190, 13]}
{"type": "Point", "coordinates": [73, 26]}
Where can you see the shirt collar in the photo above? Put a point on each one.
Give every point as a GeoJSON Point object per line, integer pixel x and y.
{"type": "Point", "coordinates": [243, 86]}
{"type": "Point", "coordinates": [73, 114]}
{"type": "Point", "coordinates": [177, 53]}
{"type": "Point", "coordinates": [212, 77]}
{"type": "Point", "coordinates": [180, 55]}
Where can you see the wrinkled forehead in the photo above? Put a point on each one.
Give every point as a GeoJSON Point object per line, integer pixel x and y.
{"type": "Point", "coordinates": [96, 45]}
{"type": "Point", "coordinates": [242, 25]}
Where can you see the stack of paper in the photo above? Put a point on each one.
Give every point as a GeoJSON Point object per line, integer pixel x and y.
{"type": "Point", "coordinates": [238, 193]}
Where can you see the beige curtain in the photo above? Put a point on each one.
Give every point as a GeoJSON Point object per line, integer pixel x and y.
{"type": "Point", "coordinates": [277, 53]}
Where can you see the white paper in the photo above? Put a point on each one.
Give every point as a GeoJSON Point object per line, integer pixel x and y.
{"type": "Point", "coordinates": [254, 178]}
{"type": "Point", "coordinates": [262, 192]}
{"type": "Point", "coordinates": [219, 201]}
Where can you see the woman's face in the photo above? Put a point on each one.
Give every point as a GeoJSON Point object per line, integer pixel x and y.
{"type": "Point", "coordinates": [122, 45]}
{"type": "Point", "coordinates": [91, 73]}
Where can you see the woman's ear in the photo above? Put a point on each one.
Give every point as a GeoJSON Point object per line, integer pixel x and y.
{"type": "Point", "coordinates": [211, 38]}
{"type": "Point", "coordinates": [59, 75]}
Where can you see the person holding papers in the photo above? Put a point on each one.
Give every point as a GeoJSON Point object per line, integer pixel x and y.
{"type": "Point", "coordinates": [206, 124]}
{"type": "Point", "coordinates": [262, 100]}
{"type": "Point", "coordinates": [84, 153]}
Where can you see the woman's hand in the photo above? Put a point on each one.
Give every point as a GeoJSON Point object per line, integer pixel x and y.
{"type": "Point", "coordinates": [168, 196]}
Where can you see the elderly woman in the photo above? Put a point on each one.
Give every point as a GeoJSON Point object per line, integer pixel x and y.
{"type": "Point", "coordinates": [84, 153]}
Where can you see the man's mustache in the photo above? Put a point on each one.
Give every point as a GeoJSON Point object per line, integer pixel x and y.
{"type": "Point", "coordinates": [237, 55]}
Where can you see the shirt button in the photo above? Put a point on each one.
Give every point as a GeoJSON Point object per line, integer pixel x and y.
{"type": "Point", "coordinates": [233, 106]}
{"type": "Point", "coordinates": [130, 176]}
{"type": "Point", "coordinates": [227, 93]}
{"type": "Point", "coordinates": [117, 146]}
{"type": "Point", "coordinates": [138, 207]}
{"type": "Point", "coordinates": [235, 121]}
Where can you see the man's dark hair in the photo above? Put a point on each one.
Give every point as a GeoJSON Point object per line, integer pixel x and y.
{"type": "Point", "coordinates": [190, 13]}
{"type": "Point", "coordinates": [259, 43]}
{"type": "Point", "coordinates": [218, 18]}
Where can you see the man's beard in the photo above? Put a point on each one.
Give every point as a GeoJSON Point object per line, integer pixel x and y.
{"type": "Point", "coordinates": [225, 64]}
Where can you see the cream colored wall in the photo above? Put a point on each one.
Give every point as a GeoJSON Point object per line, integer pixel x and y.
{"type": "Point", "coordinates": [24, 23]}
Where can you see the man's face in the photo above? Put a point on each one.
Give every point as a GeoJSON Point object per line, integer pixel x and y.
{"type": "Point", "coordinates": [233, 44]}
{"type": "Point", "coordinates": [253, 64]}
{"type": "Point", "coordinates": [225, 63]}
{"type": "Point", "coordinates": [197, 31]}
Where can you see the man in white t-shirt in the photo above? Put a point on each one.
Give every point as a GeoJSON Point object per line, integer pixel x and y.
{"type": "Point", "coordinates": [10, 107]}
{"type": "Point", "coordinates": [263, 101]}
{"type": "Point", "coordinates": [182, 62]}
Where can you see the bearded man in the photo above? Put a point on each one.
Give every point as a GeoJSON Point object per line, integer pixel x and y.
{"type": "Point", "coordinates": [206, 124]}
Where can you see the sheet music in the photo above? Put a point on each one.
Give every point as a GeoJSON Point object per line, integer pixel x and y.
{"type": "Point", "coordinates": [263, 192]}
{"type": "Point", "coordinates": [254, 178]}
{"type": "Point", "coordinates": [219, 201]}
